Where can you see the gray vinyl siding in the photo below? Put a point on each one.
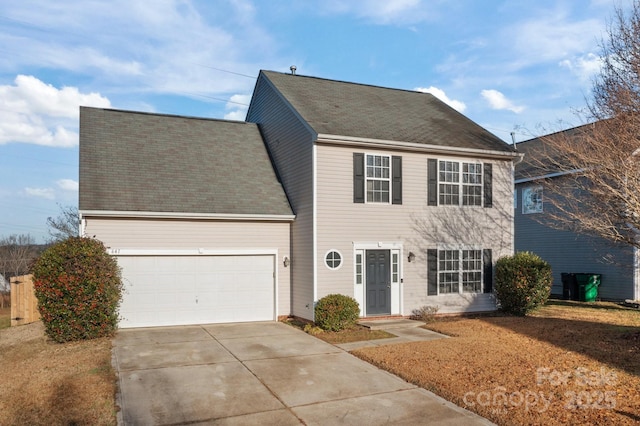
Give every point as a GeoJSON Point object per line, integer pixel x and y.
{"type": "Point", "coordinates": [290, 144]}
{"type": "Point", "coordinates": [341, 223]}
{"type": "Point", "coordinates": [174, 234]}
{"type": "Point", "coordinates": [570, 252]}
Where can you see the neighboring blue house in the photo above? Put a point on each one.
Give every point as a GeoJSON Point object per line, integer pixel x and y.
{"type": "Point", "coordinates": [566, 251]}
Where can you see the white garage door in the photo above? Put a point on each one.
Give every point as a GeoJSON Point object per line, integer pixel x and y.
{"type": "Point", "coordinates": [179, 290]}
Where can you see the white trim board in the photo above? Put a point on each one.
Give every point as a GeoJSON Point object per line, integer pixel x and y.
{"type": "Point", "coordinates": [114, 251]}
{"type": "Point", "coordinates": [181, 215]}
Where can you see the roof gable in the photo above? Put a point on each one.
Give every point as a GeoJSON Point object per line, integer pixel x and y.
{"type": "Point", "coordinates": [362, 111]}
{"type": "Point", "coordinates": [142, 162]}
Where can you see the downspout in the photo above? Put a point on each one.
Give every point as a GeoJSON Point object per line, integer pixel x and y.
{"type": "Point", "coordinates": [516, 161]}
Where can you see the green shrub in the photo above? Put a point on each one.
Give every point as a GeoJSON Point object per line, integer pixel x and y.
{"type": "Point", "coordinates": [523, 282]}
{"type": "Point", "coordinates": [336, 312]}
{"type": "Point", "coordinates": [78, 287]}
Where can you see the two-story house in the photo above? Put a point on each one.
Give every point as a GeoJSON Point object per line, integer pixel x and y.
{"type": "Point", "coordinates": [389, 196]}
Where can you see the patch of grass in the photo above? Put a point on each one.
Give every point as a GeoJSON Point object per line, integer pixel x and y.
{"type": "Point", "coordinates": [353, 334]}
{"type": "Point", "coordinates": [591, 349]}
{"type": "Point", "coordinates": [5, 318]}
{"type": "Point", "coordinates": [357, 333]}
{"type": "Point", "coordinates": [51, 383]}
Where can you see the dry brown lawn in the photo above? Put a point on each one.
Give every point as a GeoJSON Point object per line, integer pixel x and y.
{"type": "Point", "coordinates": [46, 383]}
{"type": "Point", "coordinates": [568, 363]}
{"type": "Point", "coordinates": [5, 318]}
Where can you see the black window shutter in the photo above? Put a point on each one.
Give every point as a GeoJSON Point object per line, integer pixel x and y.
{"type": "Point", "coordinates": [358, 177]}
{"type": "Point", "coordinates": [487, 266]}
{"type": "Point", "coordinates": [432, 182]}
{"type": "Point", "coordinates": [488, 190]}
{"type": "Point", "coordinates": [432, 272]}
{"type": "Point", "coordinates": [396, 180]}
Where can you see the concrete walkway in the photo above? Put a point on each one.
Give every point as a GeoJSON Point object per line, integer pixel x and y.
{"type": "Point", "coordinates": [262, 374]}
{"type": "Point", "coordinates": [405, 330]}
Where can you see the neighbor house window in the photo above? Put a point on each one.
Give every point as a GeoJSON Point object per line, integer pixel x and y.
{"type": "Point", "coordinates": [532, 200]}
{"type": "Point", "coordinates": [333, 259]}
{"type": "Point", "coordinates": [459, 271]}
{"type": "Point", "coordinates": [378, 178]}
{"type": "Point", "coordinates": [459, 183]}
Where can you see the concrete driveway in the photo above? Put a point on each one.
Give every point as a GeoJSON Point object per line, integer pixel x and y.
{"type": "Point", "coordinates": [261, 374]}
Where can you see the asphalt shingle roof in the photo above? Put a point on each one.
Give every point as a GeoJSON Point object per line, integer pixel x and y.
{"type": "Point", "coordinates": [358, 110]}
{"type": "Point", "coordinates": [537, 150]}
{"type": "Point", "coordinates": [140, 162]}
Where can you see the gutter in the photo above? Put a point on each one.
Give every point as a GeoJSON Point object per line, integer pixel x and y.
{"type": "Point", "coordinates": [548, 175]}
{"type": "Point", "coordinates": [412, 146]}
{"type": "Point", "coordinates": [179, 215]}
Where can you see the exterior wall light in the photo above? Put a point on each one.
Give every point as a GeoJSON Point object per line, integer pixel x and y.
{"type": "Point", "coordinates": [411, 257]}
{"type": "Point", "coordinates": [286, 262]}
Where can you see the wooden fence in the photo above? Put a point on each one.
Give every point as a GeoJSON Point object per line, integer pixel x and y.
{"type": "Point", "coordinates": [24, 305]}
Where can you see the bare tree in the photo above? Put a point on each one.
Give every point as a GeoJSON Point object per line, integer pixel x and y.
{"type": "Point", "coordinates": [17, 254]}
{"type": "Point", "coordinates": [595, 188]}
{"type": "Point", "coordinates": [65, 225]}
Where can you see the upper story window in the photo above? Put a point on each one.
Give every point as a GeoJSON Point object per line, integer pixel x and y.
{"type": "Point", "coordinates": [378, 178]}
{"type": "Point", "coordinates": [532, 200]}
{"type": "Point", "coordinates": [459, 183]}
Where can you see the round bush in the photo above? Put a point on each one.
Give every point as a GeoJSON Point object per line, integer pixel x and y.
{"type": "Point", "coordinates": [79, 288]}
{"type": "Point", "coordinates": [523, 282]}
{"type": "Point", "coordinates": [336, 312]}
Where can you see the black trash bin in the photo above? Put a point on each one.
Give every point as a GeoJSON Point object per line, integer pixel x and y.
{"type": "Point", "coordinates": [569, 286]}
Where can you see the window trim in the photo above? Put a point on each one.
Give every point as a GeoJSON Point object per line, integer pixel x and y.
{"type": "Point", "coordinates": [326, 259]}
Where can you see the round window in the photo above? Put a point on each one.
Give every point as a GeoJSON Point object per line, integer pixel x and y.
{"type": "Point", "coordinates": [333, 259]}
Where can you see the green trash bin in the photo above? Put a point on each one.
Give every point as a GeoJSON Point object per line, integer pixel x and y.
{"type": "Point", "coordinates": [588, 286]}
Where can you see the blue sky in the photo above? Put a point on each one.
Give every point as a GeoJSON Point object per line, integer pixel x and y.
{"type": "Point", "coordinates": [522, 66]}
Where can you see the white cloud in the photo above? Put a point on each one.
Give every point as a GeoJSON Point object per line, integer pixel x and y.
{"type": "Point", "coordinates": [383, 12]}
{"type": "Point", "coordinates": [68, 185]}
{"type": "Point", "coordinates": [235, 115]}
{"type": "Point", "coordinates": [552, 36]}
{"type": "Point", "coordinates": [125, 44]}
{"type": "Point", "coordinates": [46, 193]}
{"type": "Point", "coordinates": [499, 101]}
{"type": "Point", "coordinates": [238, 104]}
{"type": "Point", "coordinates": [439, 93]}
{"type": "Point", "coordinates": [38, 113]}
{"type": "Point", "coordinates": [584, 67]}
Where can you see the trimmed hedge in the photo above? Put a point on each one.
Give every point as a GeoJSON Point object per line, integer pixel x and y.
{"type": "Point", "coordinates": [79, 288]}
{"type": "Point", "coordinates": [523, 282]}
{"type": "Point", "coordinates": [336, 312]}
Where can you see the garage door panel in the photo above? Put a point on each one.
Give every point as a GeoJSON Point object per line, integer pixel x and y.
{"type": "Point", "coordinates": [179, 290]}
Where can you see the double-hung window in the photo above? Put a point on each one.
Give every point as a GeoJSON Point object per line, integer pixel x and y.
{"type": "Point", "coordinates": [471, 184]}
{"type": "Point", "coordinates": [460, 183]}
{"type": "Point", "coordinates": [378, 178]}
{"type": "Point", "coordinates": [459, 270]}
{"type": "Point", "coordinates": [532, 200]}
